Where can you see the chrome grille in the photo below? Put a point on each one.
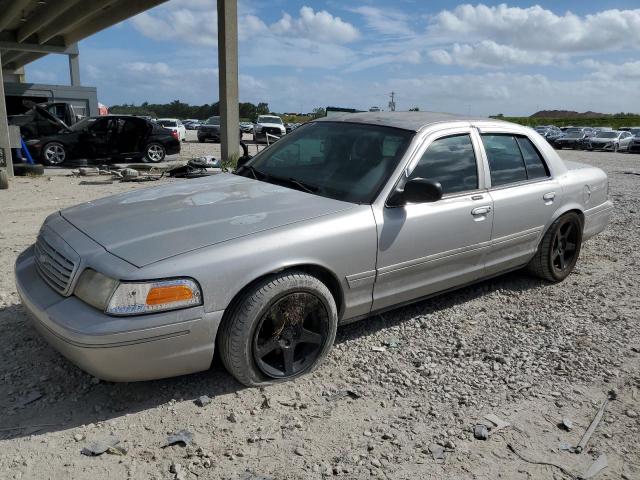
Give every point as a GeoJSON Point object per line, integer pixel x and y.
{"type": "Point", "coordinates": [55, 263]}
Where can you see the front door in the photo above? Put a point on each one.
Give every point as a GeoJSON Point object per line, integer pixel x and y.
{"type": "Point", "coordinates": [525, 195]}
{"type": "Point", "coordinates": [431, 247]}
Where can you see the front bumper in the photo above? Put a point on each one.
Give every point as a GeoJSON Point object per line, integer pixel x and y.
{"type": "Point", "coordinates": [114, 348]}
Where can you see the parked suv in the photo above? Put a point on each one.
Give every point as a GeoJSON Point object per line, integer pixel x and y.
{"type": "Point", "coordinates": [271, 125]}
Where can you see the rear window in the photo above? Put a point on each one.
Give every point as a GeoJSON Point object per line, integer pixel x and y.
{"type": "Point", "coordinates": [168, 123]}
{"type": "Point", "coordinates": [513, 159]}
{"type": "Point", "coordinates": [505, 160]}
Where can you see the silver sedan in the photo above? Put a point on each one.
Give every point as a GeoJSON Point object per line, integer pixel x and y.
{"type": "Point", "coordinates": [344, 217]}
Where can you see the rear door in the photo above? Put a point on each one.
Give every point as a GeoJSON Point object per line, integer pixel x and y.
{"type": "Point", "coordinates": [431, 247]}
{"type": "Point", "coordinates": [524, 194]}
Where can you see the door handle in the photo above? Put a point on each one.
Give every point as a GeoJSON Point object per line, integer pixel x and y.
{"type": "Point", "coordinates": [549, 197]}
{"type": "Point", "coordinates": [481, 210]}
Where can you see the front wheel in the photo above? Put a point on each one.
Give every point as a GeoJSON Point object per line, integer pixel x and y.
{"type": "Point", "coordinates": [558, 252]}
{"type": "Point", "coordinates": [280, 329]}
{"type": "Point", "coordinates": [54, 154]}
{"type": "Point", "coordinates": [155, 152]}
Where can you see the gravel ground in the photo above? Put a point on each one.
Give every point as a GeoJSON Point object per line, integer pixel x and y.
{"type": "Point", "coordinates": [396, 387]}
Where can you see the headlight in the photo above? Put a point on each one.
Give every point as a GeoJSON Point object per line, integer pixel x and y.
{"type": "Point", "coordinates": [150, 297]}
{"type": "Point", "coordinates": [135, 298]}
{"type": "Point", "coordinates": [95, 289]}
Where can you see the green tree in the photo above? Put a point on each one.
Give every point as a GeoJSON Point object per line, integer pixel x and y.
{"type": "Point", "coordinates": [318, 112]}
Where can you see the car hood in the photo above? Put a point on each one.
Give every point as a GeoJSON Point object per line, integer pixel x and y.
{"type": "Point", "coordinates": [146, 226]}
{"type": "Point", "coordinates": [271, 125]}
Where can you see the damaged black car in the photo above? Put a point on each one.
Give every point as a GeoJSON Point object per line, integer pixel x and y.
{"type": "Point", "coordinates": [111, 137]}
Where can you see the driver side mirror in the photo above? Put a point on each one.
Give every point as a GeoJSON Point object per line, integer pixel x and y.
{"type": "Point", "coordinates": [417, 190]}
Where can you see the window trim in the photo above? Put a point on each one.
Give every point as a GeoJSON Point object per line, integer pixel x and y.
{"type": "Point", "coordinates": [424, 145]}
{"type": "Point", "coordinates": [490, 185]}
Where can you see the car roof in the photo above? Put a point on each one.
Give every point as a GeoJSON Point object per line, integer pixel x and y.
{"type": "Point", "coordinates": [413, 121]}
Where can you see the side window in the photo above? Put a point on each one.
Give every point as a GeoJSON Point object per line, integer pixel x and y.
{"type": "Point", "coordinates": [533, 161]}
{"type": "Point", "coordinates": [505, 160]}
{"type": "Point", "coordinates": [100, 126]}
{"type": "Point", "coordinates": [450, 161]}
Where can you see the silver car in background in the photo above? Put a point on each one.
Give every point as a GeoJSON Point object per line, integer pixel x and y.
{"type": "Point", "coordinates": [342, 218]}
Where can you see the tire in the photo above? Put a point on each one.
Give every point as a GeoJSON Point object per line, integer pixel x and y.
{"type": "Point", "coordinates": [4, 180]}
{"type": "Point", "coordinates": [155, 152]}
{"type": "Point", "coordinates": [256, 359]}
{"type": "Point", "coordinates": [563, 238]}
{"type": "Point", "coordinates": [25, 169]}
{"type": "Point", "coordinates": [201, 140]}
{"type": "Point", "coordinates": [54, 154]}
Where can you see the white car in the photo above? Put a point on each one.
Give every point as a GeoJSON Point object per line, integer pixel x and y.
{"type": "Point", "coordinates": [174, 125]}
{"type": "Point", "coordinates": [271, 125]}
{"type": "Point", "coordinates": [610, 140]}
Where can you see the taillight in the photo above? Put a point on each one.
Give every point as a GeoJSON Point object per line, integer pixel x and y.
{"type": "Point", "coordinates": [174, 134]}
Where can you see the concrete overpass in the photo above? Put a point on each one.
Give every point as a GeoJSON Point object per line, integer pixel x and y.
{"type": "Point", "coordinates": [31, 29]}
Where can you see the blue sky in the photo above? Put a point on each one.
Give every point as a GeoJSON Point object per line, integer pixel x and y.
{"type": "Point", "coordinates": [482, 58]}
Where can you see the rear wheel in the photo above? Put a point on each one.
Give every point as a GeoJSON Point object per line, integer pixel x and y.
{"type": "Point", "coordinates": [558, 252]}
{"type": "Point", "coordinates": [155, 152]}
{"type": "Point", "coordinates": [53, 153]}
{"type": "Point", "coordinates": [280, 329]}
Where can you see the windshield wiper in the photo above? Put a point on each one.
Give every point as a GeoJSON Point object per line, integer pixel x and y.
{"type": "Point", "coordinates": [304, 186]}
{"type": "Point", "coordinates": [288, 181]}
{"type": "Point", "coordinates": [255, 172]}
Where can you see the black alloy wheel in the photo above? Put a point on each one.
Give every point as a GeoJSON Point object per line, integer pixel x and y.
{"type": "Point", "coordinates": [291, 335]}
{"type": "Point", "coordinates": [565, 247]}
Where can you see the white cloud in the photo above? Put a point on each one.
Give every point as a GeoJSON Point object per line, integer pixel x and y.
{"type": "Point", "coordinates": [320, 26]}
{"type": "Point", "coordinates": [539, 29]}
{"type": "Point", "coordinates": [385, 21]}
{"type": "Point", "coordinates": [606, 70]}
{"type": "Point", "coordinates": [488, 54]}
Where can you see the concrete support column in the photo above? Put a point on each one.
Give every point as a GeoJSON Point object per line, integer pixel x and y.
{"type": "Point", "coordinates": [228, 83]}
{"type": "Point", "coordinates": [5, 145]}
{"type": "Point", "coordinates": [74, 69]}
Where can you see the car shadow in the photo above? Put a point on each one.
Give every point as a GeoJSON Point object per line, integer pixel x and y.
{"type": "Point", "coordinates": [42, 392]}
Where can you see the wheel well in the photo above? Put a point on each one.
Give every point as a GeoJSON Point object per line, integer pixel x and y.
{"type": "Point", "coordinates": [321, 273]}
{"type": "Point", "coordinates": [576, 211]}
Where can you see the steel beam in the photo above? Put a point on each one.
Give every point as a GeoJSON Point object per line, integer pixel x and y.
{"type": "Point", "coordinates": [35, 47]}
{"type": "Point", "coordinates": [117, 12]}
{"type": "Point", "coordinates": [228, 81]}
{"type": "Point", "coordinates": [44, 16]}
{"type": "Point", "coordinates": [73, 18]}
{"type": "Point", "coordinates": [14, 9]}
{"type": "Point", "coordinates": [23, 59]}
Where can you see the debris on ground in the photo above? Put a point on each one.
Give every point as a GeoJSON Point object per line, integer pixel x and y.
{"type": "Point", "coordinates": [541, 462]}
{"type": "Point", "coordinates": [481, 432]}
{"type": "Point", "coordinates": [437, 452]}
{"type": "Point", "coordinates": [566, 424]}
{"type": "Point", "coordinates": [498, 423]}
{"type": "Point", "coordinates": [29, 398]}
{"type": "Point", "coordinates": [594, 424]}
{"type": "Point", "coordinates": [596, 467]}
{"type": "Point", "coordinates": [95, 449]}
{"type": "Point", "coordinates": [182, 438]}
{"type": "Point", "coordinates": [342, 394]}
{"type": "Point", "coordinates": [203, 401]}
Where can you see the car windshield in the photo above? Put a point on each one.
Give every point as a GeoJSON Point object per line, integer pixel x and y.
{"type": "Point", "coordinates": [607, 134]}
{"type": "Point", "coordinates": [168, 123]}
{"type": "Point", "coordinates": [344, 161]}
{"type": "Point", "coordinates": [213, 121]}
{"type": "Point", "coordinates": [270, 120]}
{"type": "Point", "coordinates": [574, 134]}
{"type": "Point", "coordinates": [82, 124]}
